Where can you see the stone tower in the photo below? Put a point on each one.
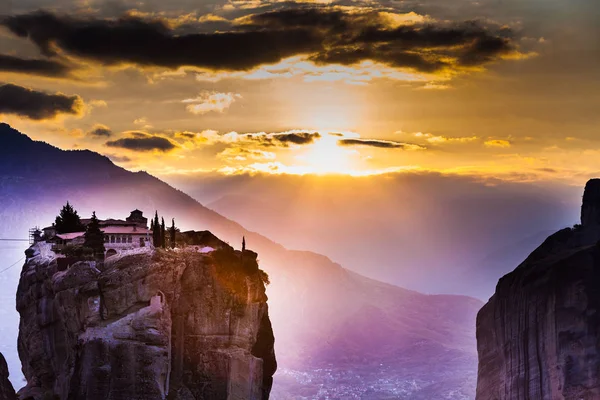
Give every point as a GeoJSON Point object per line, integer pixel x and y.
{"type": "Point", "coordinates": [138, 218]}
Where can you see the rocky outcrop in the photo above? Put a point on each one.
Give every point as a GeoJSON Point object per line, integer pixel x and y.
{"type": "Point", "coordinates": [590, 208]}
{"type": "Point", "coordinates": [538, 337]}
{"type": "Point", "coordinates": [146, 325]}
{"type": "Point", "coordinates": [7, 392]}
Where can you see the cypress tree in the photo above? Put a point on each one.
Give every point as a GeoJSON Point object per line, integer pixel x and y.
{"type": "Point", "coordinates": [68, 220]}
{"type": "Point", "coordinates": [156, 231]}
{"type": "Point", "coordinates": [172, 233]}
{"type": "Point", "coordinates": [153, 230]}
{"type": "Point", "coordinates": [163, 243]}
{"type": "Point", "coordinates": [94, 237]}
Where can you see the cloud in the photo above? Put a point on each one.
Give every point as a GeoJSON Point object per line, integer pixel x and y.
{"type": "Point", "coordinates": [436, 86]}
{"type": "Point", "coordinates": [438, 139]}
{"type": "Point", "coordinates": [352, 37]}
{"type": "Point", "coordinates": [211, 101]}
{"type": "Point", "coordinates": [299, 66]}
{"type": "Point", "coordinates": [236, 154]}
{"type": "Point", "coordinates": [384, 144]}
{"type": "Point", "coordinates": [497, 143]}
{"type": "Point", "coordinates": [191, 140]}
{"type": "Point", "coordinates": [100, 130]}
{"type": "Point", "coordinates": [37, 105]}
{"type": "Point", "coordinates": [325, 35]}
{"type": "Point", "coordinates": [200, 137]}
{"type": "Point", "coordinates": [142, 141]}
{"type": "Point", "coordinates": [98, 103]}
{"type": "Point", "coordinates": [153, 43]}
{"type": "Point", "coordinates": [143, 122]}
{"type": "Point", "coordinates": [41, 67]}
{"type": "Point", "coordinates": [118, 158]}
{"type": "Point", "coordinates": [281, 139]}
{"type": "Point", "coordinates": [296, 137]}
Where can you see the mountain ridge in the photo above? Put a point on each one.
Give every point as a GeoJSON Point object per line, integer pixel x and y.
{"type": "Point", "coordinates": [401, 228]}
{"type": "Point", "coordinates": [303, 282]}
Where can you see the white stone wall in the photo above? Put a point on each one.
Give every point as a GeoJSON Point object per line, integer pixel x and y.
{"type": "Point", "coordinates": [135, 242]}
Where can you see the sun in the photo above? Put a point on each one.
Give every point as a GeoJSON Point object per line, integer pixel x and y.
{"type": "Point", "coordinates": [326, 156]}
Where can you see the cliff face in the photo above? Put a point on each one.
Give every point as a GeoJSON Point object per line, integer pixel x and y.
{"type": "Point", "coordinates": [151, 325]}
{"type": "Point", "coordinates": [590, 209]}
{"type": "Point", "coordinates": [7, 392]}
{"type": "Point", "coordinates": [538, 337]}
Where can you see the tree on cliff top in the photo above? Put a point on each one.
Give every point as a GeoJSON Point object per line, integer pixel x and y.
{"type": "Point", "coordinates": [156, 231]}
{"type": "Point", "coordinates": [94, 237]}
{"type": "Point", "coordinates": [172, 233]}
{"type": "Point", "coordinates": [163, 242]}
{"type": "Point", "coordinates": [68, 220]}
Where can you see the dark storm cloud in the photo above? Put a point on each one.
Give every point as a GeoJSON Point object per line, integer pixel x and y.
{"type": "Point", "coordinates": [33, 66]}
{"type": "Point", "coordinates": [427, 48]}
{"type": "Point", "coordinates": [352, 37]}
{"type": "Point", "coordinates": [327, 35]}
{"type": "Point", "coordinates": [187, 135]}
{"type": "Point", "coordinates": [153, 43]}
{"type": "Point", "coordinates": [100, 131]}
{"type": "Point", "coordinates": [140, 141]}
{"type": "Point", "coordinates": [283, 139]}
{"type": "Point", "coordinates": [484, 50]}
{"type": "Point", "coordinates": [36, 105]}
{"type": "Point", "coordinates": [335, 21]}
{"type": "Point", "coordinates": [384, 144]}
{"type": "Point", "coordinates": [296, 138]}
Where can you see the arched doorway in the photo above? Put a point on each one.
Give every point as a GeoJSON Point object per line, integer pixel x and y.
{"type": "Point", "coordinates": [110, 252]}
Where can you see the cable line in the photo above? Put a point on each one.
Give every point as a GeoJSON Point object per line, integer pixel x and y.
{"type": "Point", "coordinates": [12, 265]}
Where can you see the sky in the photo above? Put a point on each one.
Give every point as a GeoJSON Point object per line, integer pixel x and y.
{"type": "Point", "coordinates": [500, 89]}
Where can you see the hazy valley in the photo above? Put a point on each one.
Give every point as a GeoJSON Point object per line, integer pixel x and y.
{"type": "Point", "coordinates": [323, 315]}
{"type": "Point", "coordinates": [404, 229]}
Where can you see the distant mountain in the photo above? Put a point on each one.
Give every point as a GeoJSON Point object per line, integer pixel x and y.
{"type": "Point", "coordinates": [400, 228]}
{"type": "Point", "coordinates": [481, 279]}
{"type": "Point", "coordinates": [323, 315]}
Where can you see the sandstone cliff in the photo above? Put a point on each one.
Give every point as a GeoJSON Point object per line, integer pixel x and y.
{"type": "Point", "coordinates": [148, 325]}
{"type": "Point", "coordinates": [7, 392]}
{"type": "Point", "coordinates": [538, 337]}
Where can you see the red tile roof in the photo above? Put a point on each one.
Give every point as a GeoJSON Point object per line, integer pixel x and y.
{"type": "Point", "coordinates": [70, 236]}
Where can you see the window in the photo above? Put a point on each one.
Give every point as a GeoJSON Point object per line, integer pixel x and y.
{"type": "Point", "coordinates": [106, 239]}
{"type": "Point", "coordinates": [118, 239]}
{"type": "Point", "coordinates": [112, 239]}
{"type": "Point", "coordinates": [129, 239]}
